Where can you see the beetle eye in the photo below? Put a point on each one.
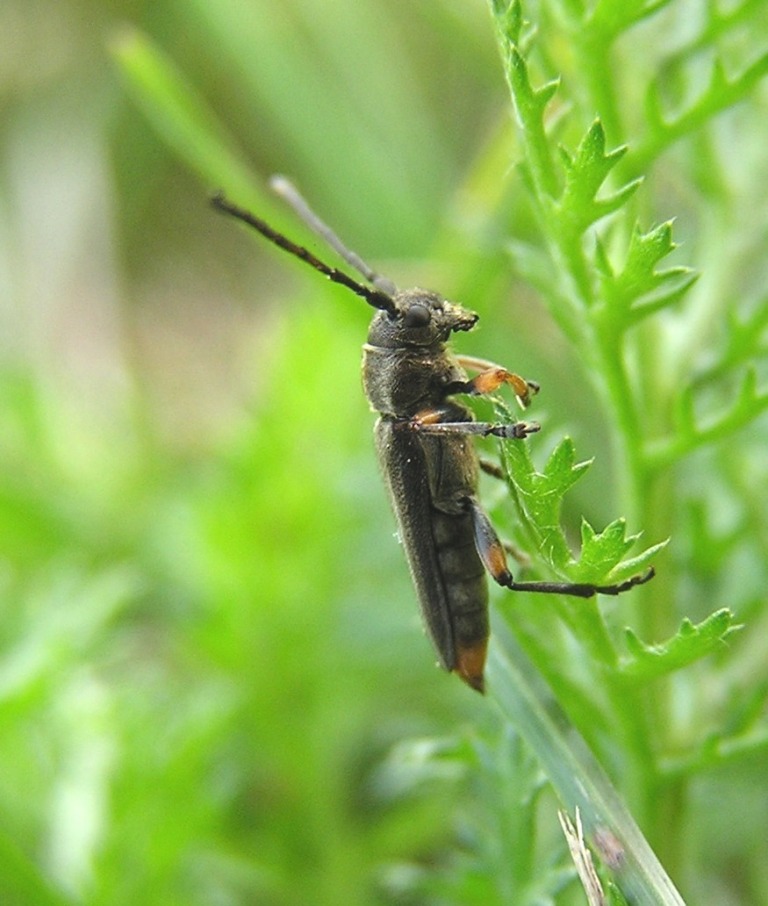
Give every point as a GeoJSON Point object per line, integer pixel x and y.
{"type": "Point", "coordinates": [417, 316]}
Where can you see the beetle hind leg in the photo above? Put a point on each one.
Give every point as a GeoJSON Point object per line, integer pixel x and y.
{"type": "Point", "coordinates": [491, 552]}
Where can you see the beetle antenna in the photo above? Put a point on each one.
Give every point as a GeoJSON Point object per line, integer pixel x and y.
{"type": "Point", "coordinates": [283, 187]}
{"type": "Point", "coordinates": [376, 297]}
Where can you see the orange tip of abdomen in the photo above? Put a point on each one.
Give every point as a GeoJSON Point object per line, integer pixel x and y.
{"type": "Point", "coordinates": [470, 664]}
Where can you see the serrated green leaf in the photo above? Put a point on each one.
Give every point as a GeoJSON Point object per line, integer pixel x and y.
{"type": "Point", "coordinates": [689, 644]}
{"type": "Point", "coordinates": [601, 552]}
{"type": "Point", "coordinates": [539, 496]}
{"type": "Point", "coordinates": [562, 470]}
{"type": "Point", "coordinates": [632, 566]}
{"type": "Point", "coordinates": [749, 403]}
{"type": "Point", "coordinates": [509, 17]}
{"type": "Point", "coordinates": [645, 252]}
{"type": "Point", "coordinates": [529, 105]}
{"type": "Point", "coordinates": [639, 288]}
{"type": "Point", "coordinates": [720, 94]}
{"type": "Point", "coordinates": [585, 173]}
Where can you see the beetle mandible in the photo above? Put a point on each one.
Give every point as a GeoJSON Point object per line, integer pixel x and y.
{"type": "Point", "coordinates": [425, 447]}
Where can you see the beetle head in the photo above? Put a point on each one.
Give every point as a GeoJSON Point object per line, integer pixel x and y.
{"type": "Point", "coordinates": [419, 318]}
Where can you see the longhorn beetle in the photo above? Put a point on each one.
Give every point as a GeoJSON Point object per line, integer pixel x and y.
{"type": "Point", "coordinates": [424, 445]}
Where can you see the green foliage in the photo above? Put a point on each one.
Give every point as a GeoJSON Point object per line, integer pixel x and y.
{"type": "Point", "coordinates": [539, 496]}
{"type": "Point", "coordinates": [639, 288]}
{"type": "Point", "coordinates": [539, 499]}
{"type": "Point", "coordinates": [689, 644]}
{"type": "Point", "coordinates": [604, 278]}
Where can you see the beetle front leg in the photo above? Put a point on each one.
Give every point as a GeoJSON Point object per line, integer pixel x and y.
{"type": "Point", "coordinates": [491, 552]}
{"type": "Point", "coordinates": [490, 378]}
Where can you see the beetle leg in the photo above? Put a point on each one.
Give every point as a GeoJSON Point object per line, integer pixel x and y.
{"type": "Point", "coordinates": [584, 590]}
{"type": "Point", "coordinates": [427, 425]}
{"type": "Point", "coordinates": [490, 378]}
{"type": "Point", "coordinates": [491, 552]}
{"type": "Point", "coordinates": [490, 468]}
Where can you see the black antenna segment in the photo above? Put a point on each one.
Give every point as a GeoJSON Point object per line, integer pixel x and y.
{"type": "Point", "coordinates": [377, 297]}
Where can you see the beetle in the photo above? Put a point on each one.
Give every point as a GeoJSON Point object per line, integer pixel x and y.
{"type": "Point", "coordinates": [424, 442]}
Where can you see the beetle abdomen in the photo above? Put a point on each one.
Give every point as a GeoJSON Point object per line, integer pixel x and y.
{"type": "Point", "coordinates": [466, 591]}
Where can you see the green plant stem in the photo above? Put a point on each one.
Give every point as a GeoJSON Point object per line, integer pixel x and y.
{"type": "Point", "coordinates": [623, 407]}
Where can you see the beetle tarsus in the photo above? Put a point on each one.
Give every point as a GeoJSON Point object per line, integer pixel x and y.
{"type": "Point", "coordinates": [515, 431]}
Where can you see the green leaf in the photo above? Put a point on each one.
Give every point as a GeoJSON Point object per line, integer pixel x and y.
{"type": "Point", "coordinates": [639, 289]}
{"type": "Point", "coordinates": [646, 250]}
{"type": "Point", "coordinates": [562, 470]}
{"type": "Point", "coordinates": [689, 644]}
{"type": "Point", "coordinates": [750, 402]}
{"type": "Point", "coordinates": [720, 94]}
{"type": "Point", "coordinates": [601, 552]}
{"type": "Point", "coordinates": [529, 103]}
{"type": "Point", "coordinates": [632, 566]}
{"type": "Point", "coordinates": [585, 173]}
{"type": "Point", "coordinates": [509, 18]}
{"type": "Point", "coordinates": [540, 494]}
{"type": "Point", "coordinates": [539, 498]}
{"type": "Point", "coordinates": [602, 555]}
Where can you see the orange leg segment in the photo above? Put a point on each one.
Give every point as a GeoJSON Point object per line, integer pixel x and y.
{"type": "Point", "coordinates": [491, 377]}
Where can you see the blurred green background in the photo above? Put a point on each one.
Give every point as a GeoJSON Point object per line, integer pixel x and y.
{"type": "Point", "coordinates": [209, 639]}
{"type": "Point", "coordinates": [210, 645]}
